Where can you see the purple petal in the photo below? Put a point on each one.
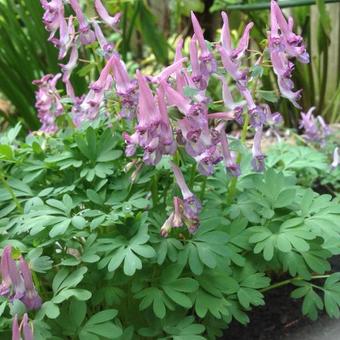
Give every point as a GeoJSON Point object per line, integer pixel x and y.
{"type": "Point", "coordinates": [4, 271]}
{"type": "Point", "coordinates": [15, 328]}
{"type": "Point", "coordinates": [104, 15]}
{"type": "Point", "coordinates": [225, 33]}
{"type": "Point", "coordinates": [26, 328]}
{"type": "Point", "coordinates": [186, 193]}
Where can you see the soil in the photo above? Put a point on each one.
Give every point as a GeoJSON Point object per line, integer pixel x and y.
{"type": "Point", "coordinates": [281, 319]}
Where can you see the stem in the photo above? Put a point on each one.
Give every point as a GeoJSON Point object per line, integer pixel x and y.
{"type": "Point", "coordinates": [288, 281]}
{"type": "Point", "coordinates": [11, 192]}
{"type": "Point", "coordinates": [204, 184]}
{"type": "Point", "coordinates": [192, 175]}
{"type": "Point", "coordinates": [324, 79]}
{"type": "Point", "coordinates": [232, 186]}
{"type": "Point", "coordinates": [154, 191]}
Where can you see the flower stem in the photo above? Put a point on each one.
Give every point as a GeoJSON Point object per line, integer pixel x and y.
{"type": "Point", "coordinates": [11, 192]}
{"type": "Point", "coordinates": [288, 281]}
{"type": "Point", "coordinates": [204, 184]}
{"type": "Point", "coordinates": [232, 185]}
{"type": "Point", "coordinates": [154, 191]}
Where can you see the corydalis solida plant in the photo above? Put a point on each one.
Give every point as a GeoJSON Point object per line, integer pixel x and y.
{"type": "Point", "coordinates": [148, 99]}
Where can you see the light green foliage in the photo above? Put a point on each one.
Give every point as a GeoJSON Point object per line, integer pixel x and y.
{"type": "Point", "coordinates": [91, 236]}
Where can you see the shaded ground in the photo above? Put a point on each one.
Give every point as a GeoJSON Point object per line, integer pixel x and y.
{"type": "Point", "coordinates": [281, 319]}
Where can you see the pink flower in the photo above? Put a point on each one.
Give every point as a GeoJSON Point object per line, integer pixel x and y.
{"type": "Point", "coordinates": [15, 328]}
{"type": "Point", "coordinates": [31, 298]}
{"type": "Point", "coordinates": [24, 326]}
{"type": "Point", "coordinates": [238, 52]}
{"type": "Point", "coordinates": [4, 271]}
{"type": "Point", "coordinates": [258, 156]}
{"type": "Point", "coordinates": [71, 65]}
{"type": "Point", "coordinates": [104, 15]}
{"type": "Point", "coordinates": [315, 129]}
{"type": "Point", "coordinates": [232, 167]}
{"type": "Point", "coordinates": [54, 11]}
{"type": "Point", "coordinates": [87, 36]}
{"type": "Point", "coordinates": [208, 62]}
{"type": "Point", "coordinates": [106, 47]}
{"type": "Point", "coordinates": [336, 158]}
{"type": "Point", "coordinates": [192, 206]}
{"type": "Point", "coordinates": [48, 102]}
{"type": "Point", "coordinates": [283, 45]}
{"type": "Point", "coordinates": [153, 132]}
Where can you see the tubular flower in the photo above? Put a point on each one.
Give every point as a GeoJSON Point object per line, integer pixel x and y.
{"type": "Point", "coordinates": [283, 45]}
{"type": "Point", "coordinates": [315, 129]}
{"type": "Point", "coordinates": [71, 65]}
{"type": "Point", "coordinates": [48, 102]}
{"type": "Point", "coordinates": [15, 328]}
{"type": "Point", "coordinates": [6, 282]}
{"type": "Point", "coordinates": [86, 35]}
{"type": "Point", "coordinates": [25, 328]}
{"type": "Point", "coordinates": [153, 132]}
{"type": "Point", "coordinates": [199, 79]}
{"type": "Point", "coordinates": [180, 77]}
{"type": "Point", "coordinates": [194, 132]}
{"type": "Point", "coordinates": [191, 205]}
{"type": "Point", "coordinates": [175, 219]}
{"type": "Point", "coordinates": [229, 102]}
{"type": "Point", "coordinates": [233, 68]}
{"type": "Point", "coordinates": [292, 43]}
{"type": "Point", "coordinates": [104, 15]}
{"type": "Point", "coordinates": [31, 298]}
{"type": "Point", "coordinates": [208, 62]}
{"type": "Point", "coordinates": [106, 47]}
{"type": "Point", "coordinates": [169, 70]}
{"type": "Point", "coordinates": [231, 56]}
{"type": "Point", "coordinates": [66, 36]}
{"type": "Point", "coordinates": [54, 10]}
{"type": "Point", "coordinates": [336, 158]}
{"type": "Point", "coordinates": [126, 89]}
{"type": "Point", "coordinates": [90, 105]}
{"type": "Point", "coordinates": [17, 284]}
{"type": "Point", "coordinates": [258, 156]}
{"type": "Point", "coordinates": [231, 166]}
{"type": "Point", "coordinates": [238, 52]}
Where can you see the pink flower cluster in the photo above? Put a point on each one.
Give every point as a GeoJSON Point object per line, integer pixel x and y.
{"type": "Point", "coordinates": [181, 87]}
{"type": "Point", "coordinates": [17, 284]}
{"type": "Point", "coordinates": [284, 45]}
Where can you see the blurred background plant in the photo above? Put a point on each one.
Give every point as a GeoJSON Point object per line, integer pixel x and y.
{"type": "Point", "coordinates": [148, 31]}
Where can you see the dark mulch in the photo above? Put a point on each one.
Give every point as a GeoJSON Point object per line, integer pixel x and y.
{"type": "Point", "coordinates": [280, 315]}
{"type": "Point", "coordinates": [281, 319]}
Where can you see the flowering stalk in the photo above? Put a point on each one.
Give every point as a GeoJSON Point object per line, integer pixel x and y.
{"type": "Point", "coordinates": [17, 283]}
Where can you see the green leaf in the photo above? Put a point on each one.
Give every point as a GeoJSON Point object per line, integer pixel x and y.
{"type": "Point", "coordinates": [79, 222]}
{"type": "Point", "coordinates": [50, 310]}
{"type": "Point", "coordinates": [100, 325]}
{"type": "Point", "coordinates": [2, 307]}
{"type": "Point", "coordinates": [249, 296]}
{"type": "Point", "coordinates": [131, 263]}
{"type": "Point", "coordinates": [77, 312]}
{"type": "Point", "coordinates": [65, 280]}
{"type": "Point", "coordinates": [60, 228]}
{"type": "Point", "coordinates": [152, 35]}
{"type": "Point", "coordinates": [269, 96]}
